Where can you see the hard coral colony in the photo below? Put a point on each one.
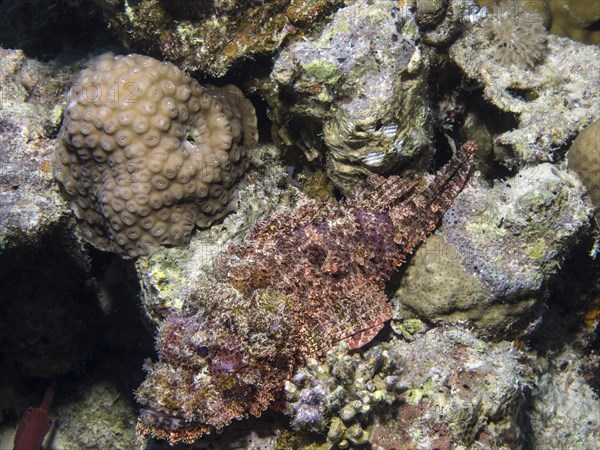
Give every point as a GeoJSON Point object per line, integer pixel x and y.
{"type": "Point", "coordinates": [299, 284]}
{"type": "Point", "coordinates": [146, 152]}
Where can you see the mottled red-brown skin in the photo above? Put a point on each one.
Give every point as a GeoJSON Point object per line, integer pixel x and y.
{"type": "Point", "coordinates": [300, 283]}
{"type": "Point", "coordinates": [34, 425]}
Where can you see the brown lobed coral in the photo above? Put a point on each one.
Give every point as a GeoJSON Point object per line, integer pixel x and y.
{"type": "Point", "coordinates": [299, 284]}
{"type": "Point", "coordinates": [145, 152]}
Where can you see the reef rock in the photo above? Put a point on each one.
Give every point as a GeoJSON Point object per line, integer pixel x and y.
{"type": "Point", "coordinates": [493, 258]}
{"type": "Point", "coordinates": [565, 408]}
{"type": "Point", "coordinates": [145, 152]}
{"type": "Point", "coordinates": [457, 392]}
{"type": "Point", "coordinates": [356, 95]}
{"type": "Point", "coordinates": [441, 22]}
{"type": "Point", "coordinates": [296, 286]}
{"type": "Point", "coordinates": [101, 417]}
{"type": "Point", "coordinates": [551, 105]}
{"type": "Point", "coordinates": [42, 262]}
{"type": "Point", "coordinates": [212, 36]}
{"type": "Point", "coordinates": [30, 111]}
{"type": "Point", "coordinates": [571, 18]}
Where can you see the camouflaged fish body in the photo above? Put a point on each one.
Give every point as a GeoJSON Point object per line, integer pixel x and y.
{"type": "Point", "coordinates": [301, 282]}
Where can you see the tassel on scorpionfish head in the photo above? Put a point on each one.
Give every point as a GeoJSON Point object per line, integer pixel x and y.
{"type": "Point", "coordinates": [300, 283]}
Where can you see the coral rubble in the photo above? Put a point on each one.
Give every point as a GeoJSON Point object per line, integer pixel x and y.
{"type": "Point", "coordinates": [145, 152]}
{"type": "Point", "coordinates": [356, 95]}
{"type": "Point", "coordinates": [298, 284]}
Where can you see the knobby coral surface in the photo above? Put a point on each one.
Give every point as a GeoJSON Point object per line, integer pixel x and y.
{"type": "Point", "coordinates": [145, 152]}
{"type": "Point", "coordinates": [299, 284]}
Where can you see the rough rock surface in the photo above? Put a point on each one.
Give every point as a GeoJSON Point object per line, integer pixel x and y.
{"type": "Point", "coordinates": [491, 262]}
{"type": "Point", "coordinates": [442, 21]}
{"type": "Point", "coordinates": [459, 392]}
{"type": "Point", "coordinates": [356, 95]}
{"type": "Point", "coordinates": [565, 410]}
{"type": "Point", "coordinates": [211, 36]}
{"type": "Point", "coordinates": [145, 152]}
{"type": "Point", "coordinates": [102, 417]}
{"type": "Point", "coordinates": [551, 104]}
{"type": "Point", "coordinates": [30, 111]}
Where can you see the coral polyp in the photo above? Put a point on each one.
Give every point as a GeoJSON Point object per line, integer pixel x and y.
{"type": "Point", "coordinates": [518, 34]}
{"type": "Point", "coordinates": [300, 283]}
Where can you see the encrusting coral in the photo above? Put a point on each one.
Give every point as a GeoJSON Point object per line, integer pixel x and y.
{"type": "Point", "coordinates": [298, 285]}
{"type": "Point", "coordinates": [145, 152]}
{"type": "Point", "coordinates": [584, 158]}
{"type": "Point", "coordinates": [464, 272]}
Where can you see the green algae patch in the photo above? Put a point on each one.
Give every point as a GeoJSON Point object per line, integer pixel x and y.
{"type": "Point", "coordinates": [162, 279]}
{"type": "Point", "coordinates": [415, 396]}
{"type": "Point", "coordinates": [323, 71]}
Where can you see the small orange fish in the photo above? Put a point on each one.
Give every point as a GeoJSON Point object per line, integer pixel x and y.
{"type": "Point", "coordinates": [34, 425]}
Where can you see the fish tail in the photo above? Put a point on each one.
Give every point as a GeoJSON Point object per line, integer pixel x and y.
{"type": "Point", "coordinates": [415, 218]}
{"type": "Point", "coordinates": [47, 400]}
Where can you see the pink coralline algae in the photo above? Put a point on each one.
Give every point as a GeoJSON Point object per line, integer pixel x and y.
{"type": "Point", "coordinates": [299, 284]}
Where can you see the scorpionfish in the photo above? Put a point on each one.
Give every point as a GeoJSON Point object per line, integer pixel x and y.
{"type": "Point", "coordinates": [300, 283]}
